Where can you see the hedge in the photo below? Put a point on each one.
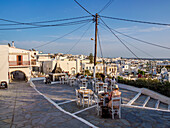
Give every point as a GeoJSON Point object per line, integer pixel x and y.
{"type": "Point", "coordinates": [155, 85]}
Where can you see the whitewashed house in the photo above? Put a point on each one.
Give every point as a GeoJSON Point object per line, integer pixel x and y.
{"type": "Point", "coordinates": [4, 64]}
{"type": "Point", "coordinates": [19, 63]}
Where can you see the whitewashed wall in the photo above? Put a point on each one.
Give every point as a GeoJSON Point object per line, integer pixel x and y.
{"type": "Point", "coordinates": [4, 65]}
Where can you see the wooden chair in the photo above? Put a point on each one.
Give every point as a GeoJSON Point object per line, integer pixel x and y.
{"type": "Point", "coordinates": [116, 106]}
{"type": "Point", "coordinates": [87, 97]}
{"type": "Point", "coordinates": [97, 101]}
{"type": "Point", "coordinates": [78, 98]}
{"type": "Point", "coordinates": [105, 86]}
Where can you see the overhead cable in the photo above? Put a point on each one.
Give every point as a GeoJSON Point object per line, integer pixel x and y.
{"type": "Point", "coordinates": [53, 25]}
{"type": "Point", "coordinates": [78, 40]}
{"type": "Point", "coordinates": [137, 21]}
{"type": "Point", "coordinates": [142, 41]}
{"type": "Point", "coordinates": [60, 36]}
{"type": "Point", "coordinates": [84, 8]}
{"type": "Point", "coordinates": [119, 39]}
{"type": "Point", "coordinates": [106, 6]}
{"type": "Point", "coordinates": [138, 49]}
{"type": "Point", "coordinates": [35, 23]}
{"type": "Point", "coordinates": [146, 42]}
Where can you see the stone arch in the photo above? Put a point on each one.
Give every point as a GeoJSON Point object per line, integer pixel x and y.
{"type": "Point", "coordinates": [18, 75]}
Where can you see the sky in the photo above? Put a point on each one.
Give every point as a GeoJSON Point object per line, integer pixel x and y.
{"type": "Point", "coordinates": [43, 10]}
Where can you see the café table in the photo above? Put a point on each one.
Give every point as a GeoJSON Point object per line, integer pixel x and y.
{"type": "Point", "coordinates": [86, 95]}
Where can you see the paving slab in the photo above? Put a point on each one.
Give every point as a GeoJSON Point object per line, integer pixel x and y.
{"type": "Point", "coordinates": [29, 109]}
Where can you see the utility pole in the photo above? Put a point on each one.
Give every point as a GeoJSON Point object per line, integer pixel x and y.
{"type": "Point", "coordinates": [95, 50]}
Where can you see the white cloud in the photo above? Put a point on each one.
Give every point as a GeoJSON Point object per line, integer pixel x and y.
{"type": "Point", "coordinates": [135, 29]}
{"type": "Point", "coordinates": [153, 29]}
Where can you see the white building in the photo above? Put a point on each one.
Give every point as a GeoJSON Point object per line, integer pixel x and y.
{"type": "Point", "coordinates": [19, 63]}
{"type": "Point", "coordinates": [4, 65]}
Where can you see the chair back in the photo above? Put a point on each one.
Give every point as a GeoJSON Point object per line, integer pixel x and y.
{"type": "Point", "coordinates": [116, 101]}
{"type": "Point", "coordinates": [96, 99]}
{"type": "Point", "coordinates": [100, 92]}
{"type": "Point", "coordinates": [83, 88]}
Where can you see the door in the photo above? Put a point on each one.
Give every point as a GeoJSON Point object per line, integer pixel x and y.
{"type": "Point", "coordinates": [19, 60]}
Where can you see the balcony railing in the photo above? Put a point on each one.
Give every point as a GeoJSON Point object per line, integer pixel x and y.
{"type": "Point", "coordinates": [19, 63]}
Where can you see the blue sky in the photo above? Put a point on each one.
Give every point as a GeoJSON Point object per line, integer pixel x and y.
{"type": "Point", "coordinates": [40, 10]}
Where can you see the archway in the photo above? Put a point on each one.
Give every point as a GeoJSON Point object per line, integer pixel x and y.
{"type": "Point", "coordinates": [18, 76]}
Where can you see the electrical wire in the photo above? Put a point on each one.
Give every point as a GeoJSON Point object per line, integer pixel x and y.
{"type": "Point", "coordinates": [106, 6]}
{"type": "Point", "coordinates": [119, 39]}
{"type": "Point", "coordinates": [146, 42]}
{"type": "Point", "coordinates": [130, 44]}
{"type": "Point", "coordinates": [53, 25]}
{"type": "Point", "coordinates": [60, 36]}
{"type": "Point", "coordinates": [35, 23]}
{"type": "Point", "coordinates": [142, 41]}
{"type": "Point", "coordinates": [84, 8]}
{"type": "Point", "coordinates": [137, 21]}
{"type": "Point", "coordinates": [79, 39]}
{"type": "Point", "coordinates": [138, 49]}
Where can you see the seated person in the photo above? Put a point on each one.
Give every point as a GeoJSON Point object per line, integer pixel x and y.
{"type": "Point", "coordinates": [114, 93]}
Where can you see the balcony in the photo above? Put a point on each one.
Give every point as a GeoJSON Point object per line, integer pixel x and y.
{"type": "Point", "coordinates": [19, 63]}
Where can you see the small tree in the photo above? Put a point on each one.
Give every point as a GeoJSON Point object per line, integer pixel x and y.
{"type": "Point", "coordinates": [87, 72]}
{"type": "Point", "coordinates": [91, 58]}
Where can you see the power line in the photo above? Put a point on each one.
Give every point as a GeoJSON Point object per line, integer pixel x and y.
{"type": "Point", "coordinates": [138, 49]}
{"type": "Point", "coordinates": [146, 42]}
{"type": "Point", "coordinates": [137, 21]}
{"type": "Point", "coordinates": [131, 44]}
{"type": "Point", "coordinates": [61, 36]}
{"type": "Point", "coordinates": [142, 41]}
{"type": "Point", "coordinates": [106, 6]}
{"type": "Point", "coordinates": [35, 23]}
{"type": "Point", "coordinates": [53, 25]}
{"type": "Point", "coordinates": [84, 8]}
{"type": "Point", "coordinates": [120, 39]}
{"type": "Point", "coordinates": [78, 40]}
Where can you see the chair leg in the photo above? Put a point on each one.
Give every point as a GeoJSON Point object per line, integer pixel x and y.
{"type": "Point", "coordinates": [80, 101]}
{"type": "Point", "coordinates": [83, 102]}
{"type": "Point", "coordinates": [119, 113]}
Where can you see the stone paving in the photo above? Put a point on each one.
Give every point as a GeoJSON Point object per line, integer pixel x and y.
{"type": "Point", "coordinates": [32, 110]}
{"type": "Point", "coordinates": [131, 117]}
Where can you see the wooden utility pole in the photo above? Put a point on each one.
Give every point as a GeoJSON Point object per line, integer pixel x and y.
{"type": "Point", "coordinates": [95, 50]}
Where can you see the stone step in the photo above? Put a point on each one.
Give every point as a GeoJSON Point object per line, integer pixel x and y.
{"type": "Point", "coordinates": [163, 106]}
{"type": "Point", "coordinates": [151, 103]}
{"type": "Point", "coordinates": [140, 100]}
{"type": "Point", "coordinates": [127, 95]}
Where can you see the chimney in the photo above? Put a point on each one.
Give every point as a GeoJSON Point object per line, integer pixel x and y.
{"type": "Point", "coordinates": [13, 44]}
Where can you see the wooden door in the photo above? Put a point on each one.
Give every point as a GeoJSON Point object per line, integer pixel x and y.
{"type": "Point", "coordinates": [19, 60]}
